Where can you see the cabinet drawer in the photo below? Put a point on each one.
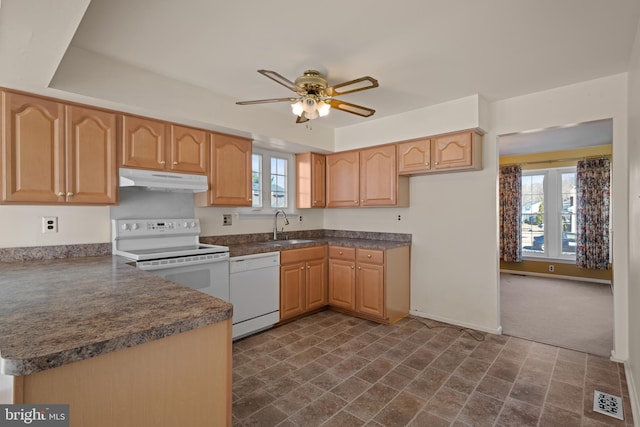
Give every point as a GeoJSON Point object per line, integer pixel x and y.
{"type": "Point", "coordinates": [341, 252]}
{"type": "Point", "coordinates": [374, 256]}
{"type": "Point", "coordinates": [301, 255]}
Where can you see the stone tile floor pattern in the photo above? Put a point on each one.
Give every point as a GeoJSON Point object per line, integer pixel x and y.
{"type": "Point", "coordinates": [331, 369]}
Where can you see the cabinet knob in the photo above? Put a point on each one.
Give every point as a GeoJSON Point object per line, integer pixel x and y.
{"type": "Point", "coordinates": [437, 163]}
{"type": "Point", "coordinates": [355, 202]}
{"type": "Point", "coordinates": [308, 267]}
{"type": "Point", "coordinates": [359, 268]}
{"type": "Point", "coordinates": [301, 268]}
{"type": "Point", "coordinates": [340, 252]}
{"type": "Point", "coordinates": [69, 194]}
{"type": "Point", "coordinates": [352, 267]}
{"type": "Point", "coordinates": [175, 163]}
{"type": "Point", "coordinates": [61, 193]}
{"type": "Point", "coordinates": [162, 162]}
{"type": "Point", "coordinates": [426, 163]}
{"type": "Point", "coordinates": [368, 255]}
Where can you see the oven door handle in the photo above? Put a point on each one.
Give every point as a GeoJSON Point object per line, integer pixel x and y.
{"type": "Point", "coordinates": [160, 264]}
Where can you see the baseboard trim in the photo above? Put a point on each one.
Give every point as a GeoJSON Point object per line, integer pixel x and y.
{"type": "Point", "coordinates": [495, 331]}
{"type": "Point", "coordinates": [556, 276]}
{"type": "Point", "coordinates": [633, 395]}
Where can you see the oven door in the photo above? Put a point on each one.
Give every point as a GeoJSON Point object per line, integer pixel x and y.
{"type": "Point", "coordinates": [206, 273]}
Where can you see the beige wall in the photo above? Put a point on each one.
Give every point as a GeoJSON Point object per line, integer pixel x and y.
{"type": "Point", "coordinates": [633, 364]}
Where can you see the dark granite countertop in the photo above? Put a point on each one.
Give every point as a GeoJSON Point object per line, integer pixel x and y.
{"type": "Point", "coordinates": [271, 246]}
{"type": "Point", "coordinates": [54, 312]}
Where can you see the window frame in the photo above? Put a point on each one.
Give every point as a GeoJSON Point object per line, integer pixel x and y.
{"type": "Point", "coordinates": [552, 214]}
{"type": "Point", "coordinates": [266, 182]}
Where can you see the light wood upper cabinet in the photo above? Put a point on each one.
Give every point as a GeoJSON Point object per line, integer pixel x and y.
{"type": "Point", "coordinates": [91, 156]}
{"type": "Point", "coordinates": [453, 152]}
{"type": "Point", "coordinates": [365, 178]}
{"type": "Point", "coordinates": [343, 179]}
{"type": "Point", "coordinates": [310, 180]}
{"type": "Point", "coordinates": [56, 153]}
{"type": "Point", "coordinates": [229, 172]}
{"type": "Point", "coordinates": [143, 143]}
{"type": "Point", "coordinates": [414, 156]}
{"type": "Point", "coordinates": [189, 149]}
{"type": "Point", "coordinates": [379, 181]}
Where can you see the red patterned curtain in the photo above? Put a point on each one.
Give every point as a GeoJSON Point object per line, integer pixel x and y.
{"type": "Point", "coordinates": [510, 210]}
{"type": "Point", "coordinates": [593, 182]}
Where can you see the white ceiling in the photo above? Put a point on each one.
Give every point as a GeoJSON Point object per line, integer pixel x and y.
{"type": "Point", "coordinates": [422, 52]}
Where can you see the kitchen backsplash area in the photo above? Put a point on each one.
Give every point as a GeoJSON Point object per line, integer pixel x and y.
{"type": "Point", "coordinates": [136, 203]}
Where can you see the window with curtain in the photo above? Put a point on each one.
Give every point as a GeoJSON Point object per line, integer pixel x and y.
{"type": "Point", "coordinates": [593, 210]}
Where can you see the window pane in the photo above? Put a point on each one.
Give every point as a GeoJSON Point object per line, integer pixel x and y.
{"type": "Point", "coordinates": [568, 214]}
{"type": "Point", "coordinates": [256, 180]}
{"type": "Point", "coordinates": [533, 214]}
{"type": "Point", "coordinates": [278, 182]}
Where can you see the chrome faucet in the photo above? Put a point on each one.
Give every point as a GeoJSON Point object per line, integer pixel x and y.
{"type": "Point", "coordinates": [275, 223]}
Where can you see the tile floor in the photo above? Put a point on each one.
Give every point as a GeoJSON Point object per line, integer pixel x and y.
{"type": "Point", "coordinates": [330, 369]}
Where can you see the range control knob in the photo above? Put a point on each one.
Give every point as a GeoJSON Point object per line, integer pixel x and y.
{"type": "Point", "coordinates": [125, 226]}
{"type": "Point", "coordinates": [192, 224]}
{"type": "Point", "coordinates": [185, 224]}
{"type": "Point", "coordinates": [134, 226]}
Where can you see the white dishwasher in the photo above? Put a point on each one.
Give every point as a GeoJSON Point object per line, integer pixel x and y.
{"type": "Point", "coordinates": [254, 282]}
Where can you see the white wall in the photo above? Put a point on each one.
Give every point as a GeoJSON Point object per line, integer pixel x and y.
{"type": "Point", "coordinates": [593, 100]}
{"type": "Point", "coordinates": [633, 364]}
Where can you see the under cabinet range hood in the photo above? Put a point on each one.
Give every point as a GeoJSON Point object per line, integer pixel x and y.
{"type": "Point", "coordinates": [163, 181]}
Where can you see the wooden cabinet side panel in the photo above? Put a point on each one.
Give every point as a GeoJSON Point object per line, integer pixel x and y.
{"type": "Point", "coordinates": [342, 286]}
{"type": "Point", "coordinates": [304, 179]}
{"type": "Point", "coordinates": [183, 379]}
{"type": "Point", "coordinates": [292, 298]}
{"type": "Point", "coordinates": [143, 143]}
{"type": "Point", "coordinates": [370, 290]}
{"type": "Point", "coordinates": [230, 171]}
{"type": "Point", "coordinates": [188, 148]}
{"type": "Point", "coordinates": [316, 284]}
{"type": "Point", "coordinates": [398, 282]}
{"type": "Point", "coordinates": [343, 180]}
{"type": "Point", "coordinates": [91, 156]}
{"type": "Point", "coordinates": [318, 180]}
{"type": "Point", "coordinates": [32, 149]}
{"type": "Point", "coordinates": [378, 176]}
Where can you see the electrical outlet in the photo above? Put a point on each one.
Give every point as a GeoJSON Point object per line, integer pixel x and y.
{"type": "Point", "coordinates": [552, 268]}
{"type": "Point", "coordinates": [49, 224]}
{"type": "Point", "coordinates": [226, 219]}
{"type": "Point", "coordinates": [399, 217]}
{"type": "Point", "coordinates": [299, 218]}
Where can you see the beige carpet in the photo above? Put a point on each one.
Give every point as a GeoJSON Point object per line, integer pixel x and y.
{"type": "Point", "coordinates": [566, 313]}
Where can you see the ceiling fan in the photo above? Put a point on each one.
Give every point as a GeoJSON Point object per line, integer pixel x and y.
{"type": "Point", "coordinates": [314, 98]}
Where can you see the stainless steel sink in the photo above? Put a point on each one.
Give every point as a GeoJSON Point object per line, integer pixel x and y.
{"type": "Point", "coordinates": [286, 242]}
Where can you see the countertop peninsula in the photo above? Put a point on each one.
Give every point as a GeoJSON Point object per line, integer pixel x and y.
{"type": "Point", "coordinates": [54, 312]}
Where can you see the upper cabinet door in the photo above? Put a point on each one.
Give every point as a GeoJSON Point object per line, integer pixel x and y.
{"type": "Point", "coordinates": [378, 176]}
{"type": "Point", "coordinates": [188, 150]}
{"type": "Point", "coordinates": [143, 143]}
{"type": "Point", "coordinates": [414, 156]}
{"type": "Point", "coordinates": [230, 171]}
{"type": "Point", "coordinates": [91, 156]}
{"type": "Point", "coordinates": [343, 179]}
{"type": "Point", "coordinates": [32, 149]}
{"type": "Point", "coordinates": [453, 151]}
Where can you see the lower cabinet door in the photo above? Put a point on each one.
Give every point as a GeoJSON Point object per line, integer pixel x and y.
{"type": "Point", "coordinates": [316, 284]}
{"type": "Point", "coordinates": [342, 281]}
{"type": "Point", "coordinates": [370, 289]}
{"type": "Point", "coordinates": [292, 298]}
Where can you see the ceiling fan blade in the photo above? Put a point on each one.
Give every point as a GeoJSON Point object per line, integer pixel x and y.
{"type": "Point", "coordinates": [266, 101]}
{"type": "Point", "coordinates": [356, 85]}
{"type": "Point", "coordinates": [351, 108]}
{"type": "Point", "coordinates": [279, 79]}
{"type": "Point", "coordinates": [301, 119]}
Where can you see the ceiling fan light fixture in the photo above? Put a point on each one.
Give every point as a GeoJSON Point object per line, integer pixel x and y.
{"type": "Point", "coordinates": [309, 105]}
{"type": "Point", "coordinates": [296, 108]}
{"type": "Point", "coordinates": [323, 108]}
